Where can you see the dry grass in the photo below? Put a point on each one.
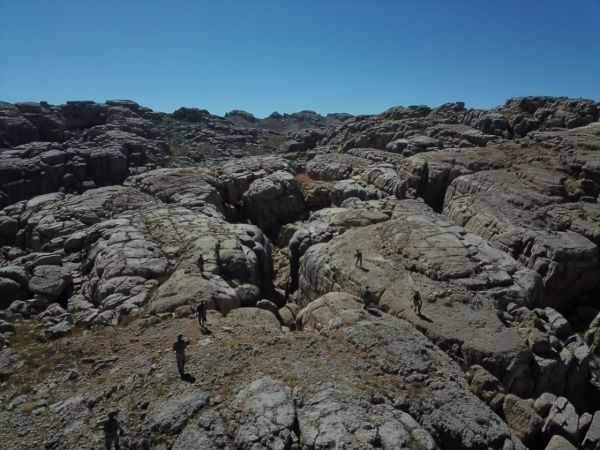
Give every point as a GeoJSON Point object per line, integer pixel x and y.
{"type": "Point", "coordinates": [447, 302]}
{"type": "Point", "coordinates": [303, 177]}
{"type": "Point", "coordinates": [39, 359]}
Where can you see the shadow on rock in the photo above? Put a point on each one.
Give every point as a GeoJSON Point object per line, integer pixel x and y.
{"type": "Point", "coordinates": [188, 378]}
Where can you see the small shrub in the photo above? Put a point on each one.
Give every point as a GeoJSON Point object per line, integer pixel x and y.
{"type": "Point", "coordinates": [482, 421]}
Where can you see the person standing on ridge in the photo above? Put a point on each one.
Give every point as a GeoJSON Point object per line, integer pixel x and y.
{"type": "Point", "coordinates": [358, 258]}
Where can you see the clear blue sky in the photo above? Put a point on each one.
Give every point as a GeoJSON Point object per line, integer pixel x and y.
{"type": "Point", "coordinates": [262, 56]}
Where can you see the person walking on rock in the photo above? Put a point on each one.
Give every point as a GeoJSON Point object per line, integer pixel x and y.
{"type": "Point", "coordinates": [358, 258]}
{"type": "Point", "coordinates": [112, 430]}
{"type": "Point", "coordinates": [201, 314]}
{"type": "Point", "coordinates": [365, 295]}
{"type": "Point", "coordinates": [417, 302]}
{"type": "Point", "coordinates": [200, 264]}
{"type": "Point", "coordinates": [218, 253]}
{"type": "Point", "coordinates": [179, 349]}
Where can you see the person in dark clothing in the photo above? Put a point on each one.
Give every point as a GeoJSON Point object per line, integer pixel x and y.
{"type": "Point", "coordinates": [358, 259]}
{"type": "Point", "coordinates": [200, 264]}
{"type": "Point", "coordinates": [417, 302]}
{"type": "Point", "coordinates": [112, 430]}
{"type": "Point", "coordinates": [179, 349]}
{"type": "Point", "coordinates": [366, 295]}
{"type": "Point", "coordinates": [218, 253]}
{"type": "Point", "coordinates": [201, 314]}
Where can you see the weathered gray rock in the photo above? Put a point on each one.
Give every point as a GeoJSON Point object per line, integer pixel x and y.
{"type": "Point", "coordinates": [6, 327]}
{"type": "Point", "coordinates": [522, 418]}
{"type": "Point", "coordinates": [15, 273]}
{"type": "Point", "coordinates": [559, 443]}
{"type": "Point", "coordinates": [563, 420]}
{"type": "Point", "coordinates": [171, 416]}
{"type": "Point", "coordinates": [4, 341]}
{"type": "Point", "coordinates": [484, 203]}
{"type": "Point", "coordinates": [385, 177]}
{"type": "Point", "coordinates": [10, 290]}
{"type": "Point", "coordinates": [592, 335]}
{"type": "Point", "coordinates": [49, 280]}
{"type": "Point", "coordinates": [335, 166]}
{"type": "Point", "coordinates": [558, 324]}
{"type": "Point", "coordinates": [238, 175]}
{"type": "Point", "coordinates": [8, 229]}
{"type": "Point", "coordinates": [274, 200]}
{"type": "Point", "coordinates": [458, 275]}
{"type": "Point", "coordinates": [543, 403]}
{"type": "Point", "coordinates": [268, 305]}
{"type": "Point", "coordinates": [209, 432]}
{"type": "Point", "coordinates": [55, 331]}
{"type": "Point", "coordinates": [394, 345]}
{"type": "Point", "coordinates": [328, 419]}
{"type": "Point", "coordinates": [585, 420]}
{"type": "Point", "coordinates": [352, 188]}
{"type": "Point", "coordinates": [486, 386]}
{"type": "Point", "coordinates": [592, 437]}
{"type": "Point", "coordinates": [331, 311]}
{"type": "Point", "coordinates": [288, 314]}
{"type": "Point", "coordinates": [262, 415]}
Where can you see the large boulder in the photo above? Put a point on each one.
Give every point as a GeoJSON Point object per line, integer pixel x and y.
{"type": "Point", "coordinates": [51, 281]}
{"type": "Point", "coordinates": [441, 399]}
{"type": "Point", "coordinates": [592, 437]}
{"type": "Point", "coordinates": [558, 442]}
{"type": "Point", "coordinates": [522, 418]}
{"type": "Point", "coordinates": [563, 420]}
{"type": "Point", "coordinates": [505, 207]}
{"type": "Point", "coordinates": [331, 311]}
{"type": "Point", "coordinates": [14, 128]}
{"type": "Point", "coordinates": [273, 201]}
{"type": "Point", "coordinates": [335, 166]}
{"type": "Point", "coordinates": [13, 285]}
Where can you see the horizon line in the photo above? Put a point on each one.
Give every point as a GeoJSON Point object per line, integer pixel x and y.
{"type": "Point", "coordinates": [324, 114]}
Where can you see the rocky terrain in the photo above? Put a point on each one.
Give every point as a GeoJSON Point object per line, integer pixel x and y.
{"type": "Point", "coordinates": [117, 221]}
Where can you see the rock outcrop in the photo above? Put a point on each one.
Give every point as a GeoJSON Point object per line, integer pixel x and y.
{"type": "Point", "coordinates": [468, 288]}
{"type": "Point", "coordinates": [117, 221]}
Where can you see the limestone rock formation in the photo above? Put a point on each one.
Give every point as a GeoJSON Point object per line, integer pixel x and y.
{"type": "Point", "coordinates": [117, 221]}
{"type": "Point", "coordinates": [467, 287]}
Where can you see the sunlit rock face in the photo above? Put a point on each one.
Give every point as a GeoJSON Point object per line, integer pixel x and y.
{"type": "Point", "coordinates": [117, 222]}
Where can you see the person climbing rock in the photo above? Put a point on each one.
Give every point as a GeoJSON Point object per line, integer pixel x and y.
{"type": "Point", "coordinates": [179, 349]}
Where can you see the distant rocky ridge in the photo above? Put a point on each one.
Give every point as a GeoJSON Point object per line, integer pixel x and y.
{"type": "Point", "coordinates": [287, 122]}
{"type": "Point", "coordinates": [492, 215]}
{"type": "Point", "coordinates": [82, 144]}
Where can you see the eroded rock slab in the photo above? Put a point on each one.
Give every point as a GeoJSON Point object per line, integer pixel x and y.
{"type": "Point", "coordinates": [468, 288]}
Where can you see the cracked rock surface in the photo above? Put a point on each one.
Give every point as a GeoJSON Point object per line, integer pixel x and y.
{"type": "Point", "coordinates": [117, 221]}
